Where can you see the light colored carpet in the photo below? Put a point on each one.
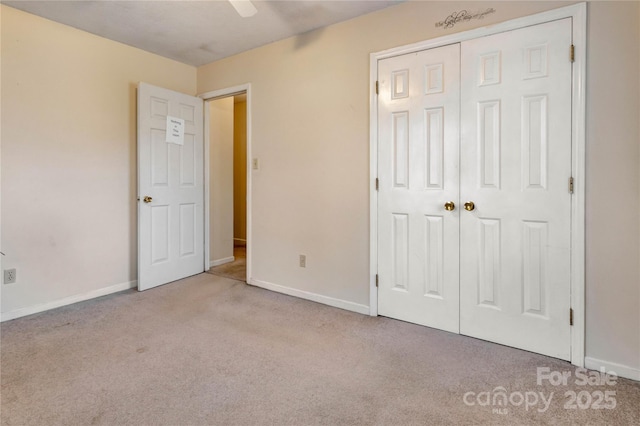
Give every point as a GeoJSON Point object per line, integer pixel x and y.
{"type": "Point", "coordinates": [209, 350]}
{"type": "Point", "coordinates": [236, 270]}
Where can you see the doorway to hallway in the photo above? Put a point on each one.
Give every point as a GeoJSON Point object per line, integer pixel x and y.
{"type": "Point", "coordinates": [228, 186]}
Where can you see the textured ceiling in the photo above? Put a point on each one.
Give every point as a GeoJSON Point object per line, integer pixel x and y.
{"type": "Point", "coordinates": [197, 32]}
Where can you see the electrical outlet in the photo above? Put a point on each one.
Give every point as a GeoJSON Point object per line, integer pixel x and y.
{"type": "Point", "coordinates": [9, 276]}
{"type": "Point", "coordinates": [303, 261]}
{"type": "Point", "coordinates": [255, 164]}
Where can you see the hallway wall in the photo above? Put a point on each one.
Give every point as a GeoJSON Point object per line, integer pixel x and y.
{"type": "Point", "coordinates": [221, 180]}
{"type": "Point", "coordinates": [239, 170]}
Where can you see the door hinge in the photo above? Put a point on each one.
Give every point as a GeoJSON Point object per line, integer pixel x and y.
{"type": "Point", "coordinates": [376, 280]}
{"type": "Point", "coordinates": [570, 316]}
{"type": "Point", "coordinates": [377, 184]}
{"type": "Point", "coordinates": [572, 53]}
{"type": "Point", "coordinates": [377, 88]}
{"type": "Point", "coordinates": [571, 185]}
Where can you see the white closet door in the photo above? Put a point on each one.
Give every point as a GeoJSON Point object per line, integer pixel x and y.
{"type": "Point", "coordinates": [418, 116]}
{"type": "Point", "coordinates": [515, 168]}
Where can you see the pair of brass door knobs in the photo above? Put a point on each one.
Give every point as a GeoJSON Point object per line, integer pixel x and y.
{"type": "Point", "coordinates": [450, 206]}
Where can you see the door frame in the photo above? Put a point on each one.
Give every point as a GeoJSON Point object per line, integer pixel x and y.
{"type": "Point", "coordinates": [578, 13]}
{"type": "Point", "coordinates": [206, 97]}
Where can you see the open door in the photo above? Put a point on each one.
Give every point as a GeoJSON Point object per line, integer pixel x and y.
{"type": "Point", "coordinates": [170, 186]}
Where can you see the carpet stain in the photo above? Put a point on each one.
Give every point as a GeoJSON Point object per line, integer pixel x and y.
{"type": "Point", "coordinates": [96, 419]}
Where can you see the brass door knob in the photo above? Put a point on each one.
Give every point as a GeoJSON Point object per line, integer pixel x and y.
{"type": "Point", "coordinates": [147, 199]}
{"type": "Point", "coordinates": [449, 206]}
{"type": "Point", "coordinates": [469, 206]}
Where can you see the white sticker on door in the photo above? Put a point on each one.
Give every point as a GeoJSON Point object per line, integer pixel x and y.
{"type": "Point", "coordinates": [175, 130]}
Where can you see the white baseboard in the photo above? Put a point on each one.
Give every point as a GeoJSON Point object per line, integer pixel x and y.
{"type": "Point", "coordinates": [30, 310]}
{"type": "Point", "coordinates": [222, 261]}
{"type": "Point", "coordinates": [326, 300]}
{"type": "Point", "coordinates": [619, 369]}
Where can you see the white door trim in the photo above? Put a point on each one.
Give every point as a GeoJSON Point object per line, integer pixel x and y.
{"type": "Point", "coordinates": [207, 96]}
{"type": "Point", "coordinates": [578, 13]}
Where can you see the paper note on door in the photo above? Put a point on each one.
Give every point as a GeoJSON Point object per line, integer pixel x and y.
{"type": "Point", "coordinates": [175, 130]}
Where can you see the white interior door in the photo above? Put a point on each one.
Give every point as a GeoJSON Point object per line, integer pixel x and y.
{"type": "Point", "coordinates": [170, 187]}
{"type": "Point", "coordinates": [418, 116]}
{"type": "Point", "coordinates": [515, 168]}
{"type": "Point", "coordinates": [497, 265]}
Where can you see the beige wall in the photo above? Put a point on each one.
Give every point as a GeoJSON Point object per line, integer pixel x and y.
{"type": "Point", "coordinates": [310, 132]}
{"type": "Point", "coordinates": [310, 109]}
{"type": "Point", "coordinates": [69, 157]}
{"type": "Point", "coordinates": [221, 179]}
{"type": "Point", "coordinates": [613, 184]}
{"type": "Point", "coordinates": [240, 170]}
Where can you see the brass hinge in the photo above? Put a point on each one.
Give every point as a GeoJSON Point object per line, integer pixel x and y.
{"type": "Point", "coordinates": [572, 54]}
{"type": "Point", "coordinates": [570, 316]}
{"type": "Point", "coordinates": [377, 184]}
{"type": "Point", "coordinates": [376, 280]}
{"type": "Point", "coordinates": [377, 88]}
{"type": "Point", "coordinates": [571, 185]}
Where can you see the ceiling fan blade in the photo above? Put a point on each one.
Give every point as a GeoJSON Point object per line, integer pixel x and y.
{"type": "Point", "coordinates": [244, 8]}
